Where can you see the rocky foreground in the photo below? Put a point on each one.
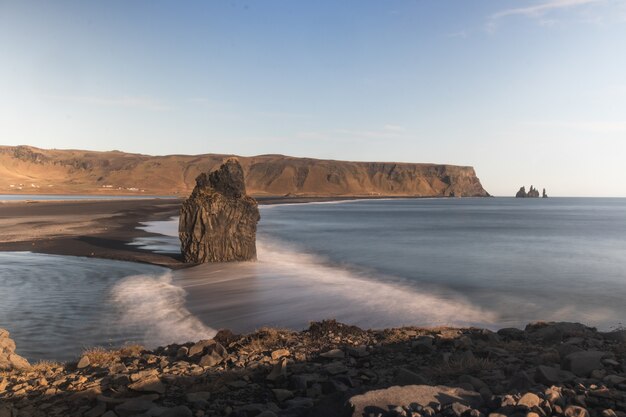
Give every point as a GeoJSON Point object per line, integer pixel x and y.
{"type": "Point", "coordinates": [331, 369]}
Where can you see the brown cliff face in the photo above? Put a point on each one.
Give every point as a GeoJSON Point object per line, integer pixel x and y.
{"type": "Point", "coordinates": [31, 170]}
{"type": "Point", "coordinates": [218, 221]}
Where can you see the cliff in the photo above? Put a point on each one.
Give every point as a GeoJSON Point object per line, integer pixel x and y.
{"type": "Point", "coordinates": [30, 170]}
{"type": "Point", "coordinates": [218, 221]}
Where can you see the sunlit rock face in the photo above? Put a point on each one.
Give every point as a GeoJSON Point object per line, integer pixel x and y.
{"type": "Point", "coordinates": [218, 221]}
{"type": "Point", "coordinates": [9, 360]}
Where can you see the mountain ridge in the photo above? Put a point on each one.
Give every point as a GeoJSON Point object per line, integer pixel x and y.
{"type": "Point", "coordinates": [27, 169]}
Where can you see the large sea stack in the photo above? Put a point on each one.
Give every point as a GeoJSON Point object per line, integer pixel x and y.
{"type": "Point", "coordinates": [218, 221]}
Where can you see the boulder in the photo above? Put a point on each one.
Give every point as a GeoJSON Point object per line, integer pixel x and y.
{"type": "Point", "coordinates": [583, 362]}
{"type": "Point", "coordinates": [379, 401]}
{"type": "Point", "coordinates": [218, 221]}
{"type": "Point", "coordinates": [9, 360]}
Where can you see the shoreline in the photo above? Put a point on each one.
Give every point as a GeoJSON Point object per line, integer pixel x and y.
{"type": "Point", "coordinates": [334, 369]}
{"type": "Point", "coordinates": [86, 228]}
{"type": "Point", "coordinates": [104, 227]}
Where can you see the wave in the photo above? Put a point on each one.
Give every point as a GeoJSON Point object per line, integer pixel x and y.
{"type": "Point", "coordinates": [369, 292]}
{"type": "Point", "coordinates": [154, 308]}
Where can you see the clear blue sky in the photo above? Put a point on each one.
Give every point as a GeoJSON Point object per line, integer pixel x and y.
{"type": "Point", "coordinates": [526, 91]}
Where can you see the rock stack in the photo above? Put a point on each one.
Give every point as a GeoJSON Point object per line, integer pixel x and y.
{"type": "Point", "coordinates": [218, 221]}
{"type": "Point", "coordinates": [9, 360]}
{"type": "Point", "coordinates": [532, 193]}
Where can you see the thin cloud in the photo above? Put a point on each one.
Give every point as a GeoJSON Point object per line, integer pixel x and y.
{"type": "Point", "coordinates": [144, 103]}
{"type": "Point", "coordinates": [539, 12]}
{"type": "Point", "coordinates": [461, 34]}
{"type": "Point", "coordinates": [542, 8]}
{"type": "Point", "coordinates": [586, 126]}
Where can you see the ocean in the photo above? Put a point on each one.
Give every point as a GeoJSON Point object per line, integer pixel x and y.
{"type": "Point", "coordinates": [489, 262]}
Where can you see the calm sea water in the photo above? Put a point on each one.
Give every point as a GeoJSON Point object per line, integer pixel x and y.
{"type": "Point", "coordinates": [487, 262]}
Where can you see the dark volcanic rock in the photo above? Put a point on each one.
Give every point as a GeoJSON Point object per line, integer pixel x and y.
{"type": "Point", "coordinates": [532, 193]}
{"type": "Point", "coordinates": [218, 221]}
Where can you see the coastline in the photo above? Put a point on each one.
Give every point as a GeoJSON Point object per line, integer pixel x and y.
{"type": "Point", "coordinates": [87, 228]}
{"type": "Point", "coordinates": [103, 228]}
{"type": "Point", "coordinates": [333, 369]}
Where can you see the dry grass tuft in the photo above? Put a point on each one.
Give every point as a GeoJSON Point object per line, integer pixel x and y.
{"type": "Point", "coordinates": [267, 338]}
{"type": "Point", "coordinates": [45, 366]}
{"type": "Point", "coordinates": [99, 356]}
{"type": "Point", "coordinates": [132, 350]}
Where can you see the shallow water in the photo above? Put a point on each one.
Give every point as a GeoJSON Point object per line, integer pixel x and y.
{"type": "Point", "coordinates": [487, 262]}
{"type": "Point", "coordinates": [55, 306]}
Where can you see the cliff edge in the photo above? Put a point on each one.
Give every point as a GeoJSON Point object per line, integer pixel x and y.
{"type": "Point", "coordinates": [29, 170]}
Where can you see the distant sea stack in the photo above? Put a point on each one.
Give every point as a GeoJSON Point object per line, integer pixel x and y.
{"type": "Point", "coordinates": [30, 170]}
{"type": "Point", "coordinates": [532, 193]}
{"type": "Point", "coordinates": [218, 221]}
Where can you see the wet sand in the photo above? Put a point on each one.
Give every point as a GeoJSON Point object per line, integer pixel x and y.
{"type": "Point", "coordinates": [91, 228]}
{"type": "Point", "coordinates": [100, 228]}
{"type": "Point", "coordinates": [96, 228]}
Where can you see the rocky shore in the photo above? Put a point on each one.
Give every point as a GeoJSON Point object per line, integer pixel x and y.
{"type": "Point", "coordinates": [332, 369]}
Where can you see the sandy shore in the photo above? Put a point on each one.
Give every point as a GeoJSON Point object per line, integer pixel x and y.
{"type": "Point", "coordinates": [93, 228]}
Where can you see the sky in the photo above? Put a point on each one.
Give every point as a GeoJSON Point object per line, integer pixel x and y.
{"type": "Point", "coordinates": [526, 91]}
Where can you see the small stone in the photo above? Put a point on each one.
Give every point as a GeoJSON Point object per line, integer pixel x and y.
{"type": "Point", "coordinates": [576, 411]}
{"type": "Point", "coordinates": [83, 362]}
{"type": "Point", "coordinates": [550, 376]}
{"type": "Point", "coordinates": [151, 384]}
{"type": "Point", "coordinates": [613, 379]}
{"type": "Point", "coordinates": [282, 394]}
{"type": "Point", "coordinates": [278, 371]}
{"type": "Point", "coordinates": [333, 354]}
{"type": "Point", "coordinates": [277, 354]}
{"type": "Point", "coordinates": [529, 400]}
{"type": "Point", "coordinates": [335, 368]}
{"type": "Point", "coordinates": [406, 377]}
{"type": "Point", "coordinates": [118, 368]}
{"type": "Point", "coordinates": [133, 407]}
{"type": "Point", "coordinates": [182, 352]}
{"type": "Point", "coordinates": [137, 376]}
{"type": "Point", "coordinates": [582, 363]}
{"type": "Point", "coordinates": [199, 347]}
{"type": "Point", "coordinates": [97, 411]}
{"type": "Point", "coordinates": [180, 411]}
{"type": "Point", "coordinates": [192, 397]}
{"type": "Point", "coordinates": [211, 359]}
{"type": "Point", "coordinates": [358, 352]}
{"type": "Point", "coordinates": [458, 409]}
{"type": "Point", "coordinates": [300, 402]}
